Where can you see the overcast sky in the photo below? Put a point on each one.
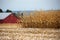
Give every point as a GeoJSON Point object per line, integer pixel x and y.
{"type": "Point", "coordinates": [20, 5]}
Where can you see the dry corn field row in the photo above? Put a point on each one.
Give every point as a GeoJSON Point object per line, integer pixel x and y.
{"type": "Point", "coordinates": [42, 19]}
{"type": "Point", "coordinates": [30, 34]}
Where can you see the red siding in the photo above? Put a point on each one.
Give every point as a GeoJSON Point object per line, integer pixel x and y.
{"type": "Point", "coordinates": [10, 19]}
{"type": "Point", "coordinates": [1, 21]}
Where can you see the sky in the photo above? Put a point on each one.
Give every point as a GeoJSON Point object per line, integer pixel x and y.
{"type": "Point", "coordinates": [22, 5]}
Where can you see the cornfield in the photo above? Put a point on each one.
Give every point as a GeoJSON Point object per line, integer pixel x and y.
{"type": "Point", "coordinates": [42, 19]}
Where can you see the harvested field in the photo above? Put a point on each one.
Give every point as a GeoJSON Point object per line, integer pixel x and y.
{"type": "Point", "coordinates": [30, 34]}
{"type": "Point", "coordinates": [10, 25]}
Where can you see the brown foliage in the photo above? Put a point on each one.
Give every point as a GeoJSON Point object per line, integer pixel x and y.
{"type": "Point", "coordinates": [42, 19]}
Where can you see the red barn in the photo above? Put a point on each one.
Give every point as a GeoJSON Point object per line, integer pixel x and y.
{"type": "Point", "coordinates": [8, 18]}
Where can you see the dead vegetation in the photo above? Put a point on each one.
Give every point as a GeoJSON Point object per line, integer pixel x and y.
{"type": "Point", "coordinates": [10, 25]}
{"type": "Point", "coordinates": [42, 19]}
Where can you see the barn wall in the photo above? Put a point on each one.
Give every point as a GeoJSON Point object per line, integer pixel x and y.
{"type": "Point", "coordinates": [10, 19]}
{"type": "Point", "coordinates": [1, 21]}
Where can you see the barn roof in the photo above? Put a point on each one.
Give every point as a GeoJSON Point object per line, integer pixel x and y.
{"type": "Point", "coordinates": [4, 15]}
